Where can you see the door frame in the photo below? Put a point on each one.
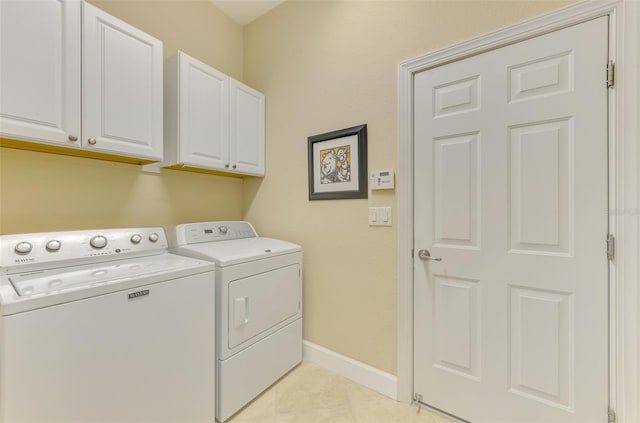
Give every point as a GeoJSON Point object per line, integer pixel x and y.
{"type": "Point", "coordinates": [624, 184]}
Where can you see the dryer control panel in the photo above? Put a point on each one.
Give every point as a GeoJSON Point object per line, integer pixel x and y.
{"type": "Point", "coordinates": [194, 233]}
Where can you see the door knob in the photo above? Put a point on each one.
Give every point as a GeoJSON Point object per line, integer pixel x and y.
{"type": "Point", "coordinates": [426, 255]}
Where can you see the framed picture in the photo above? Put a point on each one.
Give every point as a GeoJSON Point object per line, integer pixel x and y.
{"type": "Point", "coordinates": [338, 164]}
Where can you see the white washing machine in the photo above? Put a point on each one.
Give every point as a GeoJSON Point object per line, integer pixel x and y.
{"type": "Point", "coordinates": [258, 306]}
{"type": "Point", "coordinates": [104, 326]}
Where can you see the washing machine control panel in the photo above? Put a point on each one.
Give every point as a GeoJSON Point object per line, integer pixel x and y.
{"type": "Point", "coordinates": [193, 233]}
{"type": "Point", "coordinates": [78, 246]}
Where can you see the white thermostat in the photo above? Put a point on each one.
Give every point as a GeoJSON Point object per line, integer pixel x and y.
{"type": "Point", "coordinates": [382, 179]}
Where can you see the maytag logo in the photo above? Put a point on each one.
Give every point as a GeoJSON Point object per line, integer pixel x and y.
{"type": "Point", "coordinates": [138, 294]}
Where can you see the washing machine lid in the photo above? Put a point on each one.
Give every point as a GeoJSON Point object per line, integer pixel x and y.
{"type": "Point", "coordinates": [26, 291]}
{"type": "Point", "coordinates": [227, 253]}
{"type": "Point", "coordinates": [39, 283]}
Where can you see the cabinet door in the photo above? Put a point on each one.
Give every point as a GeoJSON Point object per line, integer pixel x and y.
{"type": "Point", "coordinates": [40, 71]}
{"type": "Point", "coordinates": [246, 116]}
{"type": "Point", "coordinates": [122, 91]}
{"type": "Point", "coordinates": [204, 115]}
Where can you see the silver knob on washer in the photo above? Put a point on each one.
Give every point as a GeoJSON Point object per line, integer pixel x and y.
{"type": "Point", "coordinates": [53, 245]}
{"type": "Point", "coordinates": [154, 237]}
{"type": "Point", "coordinates": [23, 247]}
{"type": "Point", "coordinates": [98, 241]}
{"type": "Point", "coordinates": [136, 238]}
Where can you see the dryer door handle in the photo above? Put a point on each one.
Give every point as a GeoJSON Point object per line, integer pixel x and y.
{"type": "Point", "coordinates": [240, 311]}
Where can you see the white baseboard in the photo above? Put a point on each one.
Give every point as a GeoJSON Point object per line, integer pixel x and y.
{"type": "Point", "coordinates": [377, 380]}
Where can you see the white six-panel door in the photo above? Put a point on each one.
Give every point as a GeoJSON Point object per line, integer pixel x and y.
{"type": "Point", "coordinates": [511, 193]}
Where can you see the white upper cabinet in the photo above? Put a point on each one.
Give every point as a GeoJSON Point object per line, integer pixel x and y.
{"type": "Point", "coordinates": [72, 75]}
{"type": "Point", "coordinates": [122, 90]}
{"type": "Point", "coordinates": [197, 114]}
{"type": "Point", "coordinates": [40, 71]}
{"type": "Point", "coordinates": [212, 121]}
{"type": "Point", "coordinates": [246, 133]}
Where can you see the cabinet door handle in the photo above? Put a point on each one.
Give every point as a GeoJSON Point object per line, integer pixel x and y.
{"type": "Point", "coordinates": [234, 166]}
{"type": "Point", "coordinates": [73, 138]}
{"type": "Point", "coordinates": [92, 141]}
{"type": "Point", "coordinates": [226, 165]}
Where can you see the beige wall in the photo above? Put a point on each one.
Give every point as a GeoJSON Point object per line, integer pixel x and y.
{"type": "Point", "coordinates": [327, 65]}
{"type": "Point", "coordinates": [194, 26]}
{"type": "Point", "coordinates": [46, 192]}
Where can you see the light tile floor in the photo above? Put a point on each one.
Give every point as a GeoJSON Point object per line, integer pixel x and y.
{"type": "Point", "coordinates": [310, 394]}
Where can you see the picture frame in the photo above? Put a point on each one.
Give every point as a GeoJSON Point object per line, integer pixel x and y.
{"type": "Point", "coordinates": [338, 164]}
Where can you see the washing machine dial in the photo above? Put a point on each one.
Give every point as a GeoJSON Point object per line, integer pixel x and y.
{"type": "Point", "coordinates": [154, 237]}
{"type": "Point", "coordinates": [223, 229]}
{"type": "Point", "coordinates": [136, 238]}
{"type": "Point", "coordinates": [98, 241]}
{"type": "Point", "coordinates": [23, 247]}
{"type": "Point", "coordinates": [53, 245]}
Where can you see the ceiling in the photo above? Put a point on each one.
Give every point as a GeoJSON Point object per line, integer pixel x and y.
{"type": "Point", "coordinates": [245, 11]}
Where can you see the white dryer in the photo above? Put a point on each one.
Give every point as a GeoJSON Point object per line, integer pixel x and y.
{"type": "Point", "coordinates": [104, 326]}
{"type": "Point", "coordinates": [258, 306]}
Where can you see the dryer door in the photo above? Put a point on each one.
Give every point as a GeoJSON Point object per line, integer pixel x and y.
{"type": "Point", "coordinates": [260, 303]}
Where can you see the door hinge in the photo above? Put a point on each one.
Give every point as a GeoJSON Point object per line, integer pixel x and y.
{"type": "Point", "coordinates": [417, 400]}
{"type": "Point", "coordinates": [611, 247]}
{"type": "Point", "coordinates": [612, 415]}
{"type": "Point", "coordinates": [611, 73]}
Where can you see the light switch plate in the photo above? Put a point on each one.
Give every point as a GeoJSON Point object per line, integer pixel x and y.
{"type": "Point", "coordinates": [380, 216]}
